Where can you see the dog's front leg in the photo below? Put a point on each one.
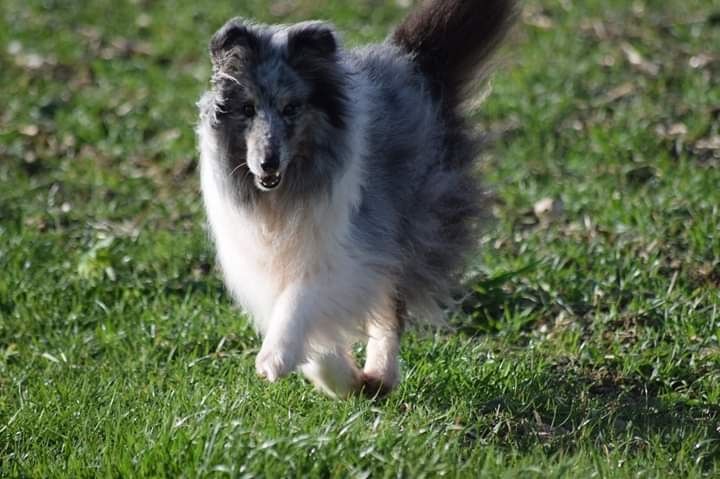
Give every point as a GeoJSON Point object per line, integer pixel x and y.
{"type": "Point", "coordinates": [283, 347]}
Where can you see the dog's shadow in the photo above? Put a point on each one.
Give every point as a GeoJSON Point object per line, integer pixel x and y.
{"type": "Point", "coordinates": [561, 407]}
{"type": "Point", "coordinates": [490, 304]}
{"type": "Point", "coordinates": [561, 403]}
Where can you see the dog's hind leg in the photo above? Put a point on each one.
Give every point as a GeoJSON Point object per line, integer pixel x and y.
{"type": "Point", "coordinates": [382, 365]}
{"type": "Point", "coordinates": [334, 373]}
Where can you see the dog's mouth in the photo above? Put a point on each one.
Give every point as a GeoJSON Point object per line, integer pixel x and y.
{"type": "Point", "coordinates": [268, 182]}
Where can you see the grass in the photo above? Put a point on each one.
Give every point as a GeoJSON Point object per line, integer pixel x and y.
{"type": "Point", "coordinates": [587, 344]}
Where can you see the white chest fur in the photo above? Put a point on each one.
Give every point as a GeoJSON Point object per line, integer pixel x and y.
{"type": "Point", "coordinates": [262, 251]}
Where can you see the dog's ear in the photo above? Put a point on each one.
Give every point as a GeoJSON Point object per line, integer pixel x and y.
{"type": "Point", "coordinates": [312, 49]}
{"type": "Point", "coordinates": [312, 38]}
{"type": "Point", "coordinates": [237, 34]}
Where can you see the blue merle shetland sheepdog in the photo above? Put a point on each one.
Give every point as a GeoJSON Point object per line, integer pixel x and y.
{"type": "Point", "coordinates": [339, 183]}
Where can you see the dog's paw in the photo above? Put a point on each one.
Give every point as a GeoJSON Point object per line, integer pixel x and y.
{"type": "Point", "coordinates": [273, 363]}
{"type": "Point", "coordinates": [334, 374]}
{"type": "Point", "coordinates": [375, 386]}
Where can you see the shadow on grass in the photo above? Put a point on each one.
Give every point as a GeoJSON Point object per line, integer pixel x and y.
{"type": "Point", "coordinates": [509, 302]}
{"type": "Point", "coordinates": [566, 406]}
{"type": "Point", "coordinates": [493, 304]}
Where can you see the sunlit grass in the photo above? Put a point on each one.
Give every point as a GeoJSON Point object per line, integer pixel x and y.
{"type": "Point", "coordinates": [587, 343]}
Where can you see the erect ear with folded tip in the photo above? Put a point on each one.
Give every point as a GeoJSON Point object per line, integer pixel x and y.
{"type": "Point", "coordinates": [312, 38]}
{"type": "Point", "coordinates": [236, 35]}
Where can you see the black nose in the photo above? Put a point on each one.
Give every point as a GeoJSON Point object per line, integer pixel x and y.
{"type": "Point", "coordinates": [270, 163]}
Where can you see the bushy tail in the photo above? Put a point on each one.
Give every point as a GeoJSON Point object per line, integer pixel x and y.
{"type": "Point", "coordinates": [451, 40]}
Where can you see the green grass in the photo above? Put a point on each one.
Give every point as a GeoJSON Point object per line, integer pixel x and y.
{"type": "Point", "coordinates": [588, 342]}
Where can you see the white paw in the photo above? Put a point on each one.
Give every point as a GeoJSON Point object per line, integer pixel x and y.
{"type": "Point", "coordinates": [335, 375]}
{"type": "Point", "coordinates": [273, 363]}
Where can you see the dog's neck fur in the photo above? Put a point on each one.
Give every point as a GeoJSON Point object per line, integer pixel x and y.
{"type": "Point", "coordinates": [304, 182]}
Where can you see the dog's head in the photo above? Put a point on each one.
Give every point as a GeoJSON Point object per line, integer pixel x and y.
{"type": "Point", "coordinates": [273, 88]}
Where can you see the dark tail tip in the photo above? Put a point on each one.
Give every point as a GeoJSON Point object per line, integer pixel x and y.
{"type": "Point", "coordinates": [451, 40]}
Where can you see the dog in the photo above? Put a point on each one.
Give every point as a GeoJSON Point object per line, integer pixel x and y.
{"type": "Point", "coordinates": [339, 185]}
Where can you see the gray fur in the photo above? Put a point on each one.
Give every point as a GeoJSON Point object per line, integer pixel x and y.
{"type": "Point", "coordinates": [311, 141]}
{"type": "Point", "coordinates": [339, 186]}
{"type": "Point", "coordinates": [419, 201]}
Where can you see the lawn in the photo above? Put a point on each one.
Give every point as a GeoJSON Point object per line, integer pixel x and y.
{"type": "Point", "coordinates": [587, 344]}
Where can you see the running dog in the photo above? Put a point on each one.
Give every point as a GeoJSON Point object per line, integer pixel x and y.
{"type": "Point", "coordinates": [339, 184]}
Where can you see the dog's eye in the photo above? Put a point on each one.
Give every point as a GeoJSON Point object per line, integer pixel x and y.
{"type": "Point", "coordinates": [220, 108]}
{"type": "Point", "coordinates": [248, 110]}
{"type": "Point", "coordinates": [291, 109]}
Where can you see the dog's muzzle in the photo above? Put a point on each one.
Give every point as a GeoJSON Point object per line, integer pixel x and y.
{"type": "Point", "coordinates": [268, 182]}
